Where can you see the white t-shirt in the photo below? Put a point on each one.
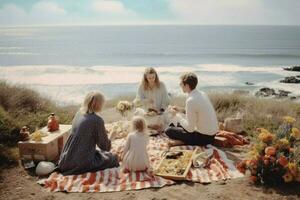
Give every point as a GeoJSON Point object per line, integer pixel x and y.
{"type": "Point", "coordinates": [200, 114]}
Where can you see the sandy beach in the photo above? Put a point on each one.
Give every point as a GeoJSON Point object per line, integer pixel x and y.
{"type": "Point", "coordinates": [17, 184]}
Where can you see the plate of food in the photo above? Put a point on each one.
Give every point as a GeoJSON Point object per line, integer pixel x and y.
{"type": "Point", "coordinates": [153, 112]}
{"type": "Point", "coordinates": [175, 164]}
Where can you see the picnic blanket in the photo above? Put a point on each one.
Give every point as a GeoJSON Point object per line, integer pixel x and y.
{"type": "Point", "coordinates": [110, 180]}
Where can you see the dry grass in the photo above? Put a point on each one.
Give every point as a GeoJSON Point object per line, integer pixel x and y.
{"type": "Point", "coordinates": [256, 112]}
{"type": "Point", "coordinates": [20, 106]}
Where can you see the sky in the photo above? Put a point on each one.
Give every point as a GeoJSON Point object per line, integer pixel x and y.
{"type": "Point", "coordinates": [144, 12]}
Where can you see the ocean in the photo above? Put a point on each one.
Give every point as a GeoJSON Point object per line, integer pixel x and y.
{"type": "Point", "coordinates": [65, 63]}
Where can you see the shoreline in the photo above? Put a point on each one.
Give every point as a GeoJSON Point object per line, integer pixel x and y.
{"type": "Point", "coordinates": [67, 84]}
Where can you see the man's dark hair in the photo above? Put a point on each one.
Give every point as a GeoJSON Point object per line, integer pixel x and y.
{"type": "Point", "coordinates": [190, 79]}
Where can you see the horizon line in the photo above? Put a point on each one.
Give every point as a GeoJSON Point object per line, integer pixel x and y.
{"type": "Point", "coordinates": [167, 24]}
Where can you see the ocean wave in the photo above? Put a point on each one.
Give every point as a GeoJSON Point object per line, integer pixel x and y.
{"type": "Point", "coordinates": [79, 75]}
{"type": "Point", "coordinates": [70, 83]}
{"type": "Point", "coordinates": [206, 53]}
{"type": "Point", "coordinates": [18, 53]}
{"type": "Point", "coordinates": [11, 48]}
{"type": "Point", "coordinates": [157, 55]}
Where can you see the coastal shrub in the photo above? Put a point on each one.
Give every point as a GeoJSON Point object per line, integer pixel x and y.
{"type": "Point", "coordinates": [20, 106]}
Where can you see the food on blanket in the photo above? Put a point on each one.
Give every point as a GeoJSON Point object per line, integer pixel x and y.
{"type": "Point", "coordinates": [36, 136]}
{"type": "Point", "coordinates": [175, 163]}
{"type": "Point", "coordinates": [152, 112]}
{"type": "Point", "coordinates": [200, 159]}
{"type": "Point", "coordinates": [173, 155]}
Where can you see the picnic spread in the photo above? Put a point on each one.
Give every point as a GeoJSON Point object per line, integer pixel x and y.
{"type": "Point", "coordinates": [202, 164]}
{"type": "Point", "coordinates": [218, 167]}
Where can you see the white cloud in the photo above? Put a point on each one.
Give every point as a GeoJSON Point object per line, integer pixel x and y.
{"type": "Point", "coordinates": [44, 12]}
{"type": "Point", "coordinates": [109, 6]}
{"type": "Point", "coordinates": [47, 12]}
{"type": "Point", "coordinates": [112, 12]}
{"type": "Point", "coordinates": [48, 7]}
{"type": "Point", "coordinates": [230, 12]}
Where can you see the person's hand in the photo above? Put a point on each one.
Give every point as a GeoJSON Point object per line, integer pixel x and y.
{"type": "Point", "coordinates": [176, 108]}
{"type": "Point", "coordinates": [173, 111]}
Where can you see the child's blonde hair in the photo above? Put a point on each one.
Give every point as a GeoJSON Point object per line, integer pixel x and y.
{"type": "Point", "coordinates": [139, 124]}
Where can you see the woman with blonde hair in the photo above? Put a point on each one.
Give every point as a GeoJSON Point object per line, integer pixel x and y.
{"type": "Point", "coordinates": [152, 93]}
{"type": "Point", "coordinates": [79, 154]}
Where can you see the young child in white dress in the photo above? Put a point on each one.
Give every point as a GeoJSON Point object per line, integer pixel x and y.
{"type": "Point", "coordinates": [135, 155]}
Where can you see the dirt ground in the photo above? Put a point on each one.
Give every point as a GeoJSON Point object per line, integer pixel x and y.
{"type": "Point", "coordinates": [16, 183]}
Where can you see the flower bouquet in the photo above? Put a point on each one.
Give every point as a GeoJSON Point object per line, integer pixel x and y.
{"type": "Point", "coordinates": [275, 158]}
{"type": "Point", "coordinates": [123, 107]}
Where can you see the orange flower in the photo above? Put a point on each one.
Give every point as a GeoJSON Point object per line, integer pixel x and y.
{"type": "Point", "coordinates": [287, 177]}
{"type": "Point", "coordinates": [270, 151]}
{"type": "Point", "coordinates": [266, 137]}
{"type": "Point", "coordinates": [283, 161]}
{"type": "Point", "coordinates": [295, 133]}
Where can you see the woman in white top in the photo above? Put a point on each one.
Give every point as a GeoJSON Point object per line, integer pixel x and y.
{"type": "Point", "coordinates": [152, 93]}
{"type": "Point", "coordinates": [135, 155]}
{"type": "Point", "coordinates": [201, 124]}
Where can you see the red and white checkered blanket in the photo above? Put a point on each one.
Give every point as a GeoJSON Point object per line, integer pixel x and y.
{"type": "Point", "coordinates": [110, 180]}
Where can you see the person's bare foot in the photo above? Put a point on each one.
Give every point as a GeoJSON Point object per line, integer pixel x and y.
{"type": "Point", "coordinates": [172, 143]}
